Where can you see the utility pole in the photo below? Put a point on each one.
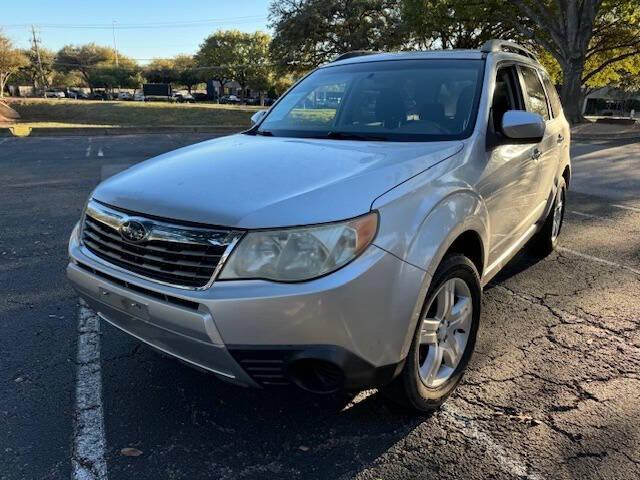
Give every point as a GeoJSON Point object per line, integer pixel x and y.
{"type": "Point", "coordinates": [115, 47]}
{"type": "Point", "coordinates": [36, 50]}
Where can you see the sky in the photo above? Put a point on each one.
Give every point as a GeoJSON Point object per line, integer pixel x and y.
{"type": "Point", "coordinates": [145, 29]}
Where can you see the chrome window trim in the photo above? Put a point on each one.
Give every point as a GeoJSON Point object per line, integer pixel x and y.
{"type": "Point", "coordinates": [164, 231]}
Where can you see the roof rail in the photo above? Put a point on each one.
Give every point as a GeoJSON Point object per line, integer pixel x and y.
{"type": "Point", "coordinates": [506, 46]}
{"type": "Point", "coordinates": [353, 54]}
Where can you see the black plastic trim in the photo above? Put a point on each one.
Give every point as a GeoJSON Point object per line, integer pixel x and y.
{"type": "Point", "coordinates": [358, 374]}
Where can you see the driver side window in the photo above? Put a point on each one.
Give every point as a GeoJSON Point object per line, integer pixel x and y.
{"type": "Point", "coordinates": [505, 96]}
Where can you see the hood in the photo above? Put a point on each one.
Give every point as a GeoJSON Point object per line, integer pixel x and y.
{"type": "Point", "coordinates": [247, 181]}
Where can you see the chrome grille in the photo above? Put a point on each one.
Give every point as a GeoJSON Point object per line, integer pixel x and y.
{"type": "Point", "coordinates": [170, 253]}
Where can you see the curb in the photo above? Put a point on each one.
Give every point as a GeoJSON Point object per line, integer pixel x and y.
{"type": "Point", "coordinates": [114, 131]}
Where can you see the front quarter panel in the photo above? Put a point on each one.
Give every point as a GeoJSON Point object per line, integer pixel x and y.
{"type": "Point", "coordinates": [420, 219]}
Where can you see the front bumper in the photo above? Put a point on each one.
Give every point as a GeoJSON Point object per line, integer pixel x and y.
{"type": "Point", "coordinates": [255, 333]}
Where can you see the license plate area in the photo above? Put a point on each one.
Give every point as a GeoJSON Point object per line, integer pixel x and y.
{"type": "Point", "coordinates": [127, 305]}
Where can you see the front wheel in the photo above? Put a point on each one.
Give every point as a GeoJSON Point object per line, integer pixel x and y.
{"type": "Point", "coordinates": [444, 338]}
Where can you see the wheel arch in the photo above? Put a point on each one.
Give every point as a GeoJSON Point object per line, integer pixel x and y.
{"type": "Point", "coordinates": [458, 223]}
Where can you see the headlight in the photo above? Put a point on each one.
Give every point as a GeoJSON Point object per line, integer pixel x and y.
{"type": "Point", "coordinates": [296, 254]}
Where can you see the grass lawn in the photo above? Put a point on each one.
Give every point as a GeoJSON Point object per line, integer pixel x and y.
{"type": "Point", "coordinates": [67, 113]}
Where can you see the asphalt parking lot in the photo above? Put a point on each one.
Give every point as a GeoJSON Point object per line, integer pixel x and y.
{"type": "Point", "coordinates": [552, 391]}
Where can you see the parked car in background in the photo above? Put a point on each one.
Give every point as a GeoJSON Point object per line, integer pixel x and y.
{"type": "Point", "coordinates": [76, 94]}
{"type": "Point", "coordinates": [125, 96]}
{"type": "Point", "coordinates": [342, 244]}
{"type": "Point", "coordinates": [138, 97]}
{"type": "Point", "coordinates": [183, 96]}
{"type": "Point", "coordinates": [54, 93]}
{"type": "Point", "coordinates": [100, 95]}
{"type": "Point", "coordinates": [230, 100]}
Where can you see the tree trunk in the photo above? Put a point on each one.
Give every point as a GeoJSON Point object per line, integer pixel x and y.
{"type": "Point", "coordinates": [571, 91]}
{"type": "Point", "coordinates": [3, 82]}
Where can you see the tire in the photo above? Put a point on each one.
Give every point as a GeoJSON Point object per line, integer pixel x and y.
{"type": "Point", "coordinates": [546, 240]}
{"type": "Point", "coordinates": [419, 387]}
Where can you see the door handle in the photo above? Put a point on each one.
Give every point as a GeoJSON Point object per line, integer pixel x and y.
{"type": "Point", "coordinates": [560, 138]}
{"type": "Point", "coordinates": [535, 153]}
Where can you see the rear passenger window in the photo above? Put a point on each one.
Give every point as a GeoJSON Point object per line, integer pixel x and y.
{"type": "Point", "coordinates": [536, 100]}
{"type": "Point", "coordinates": [552, 93]}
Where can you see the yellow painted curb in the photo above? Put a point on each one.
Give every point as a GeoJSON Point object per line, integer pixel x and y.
{"type": "Point", "coordinates": [20, 131]}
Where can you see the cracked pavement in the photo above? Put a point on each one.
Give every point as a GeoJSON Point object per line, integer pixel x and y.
{"type": "Point", "coordinates": [552, 390]}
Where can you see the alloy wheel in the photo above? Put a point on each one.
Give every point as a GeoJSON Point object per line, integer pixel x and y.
{"type": "Point", "coordinates": [558, 213]}
{"type": "Point", "coordinates": [444, 332]}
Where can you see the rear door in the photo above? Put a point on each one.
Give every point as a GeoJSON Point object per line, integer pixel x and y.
{"type": "Point", "coordinates": [558, 129]}
{"type": "Point", "coordinates": [546, 155]}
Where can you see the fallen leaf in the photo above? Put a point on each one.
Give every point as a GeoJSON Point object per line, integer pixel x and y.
{"type": "Point", "coordinates": [130, 452]}
{"type": "Point", "coordinates": [303, 448]}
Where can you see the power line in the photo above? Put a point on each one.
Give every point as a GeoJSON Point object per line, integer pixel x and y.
{"type": "Point", "coordinates": [126, 26]}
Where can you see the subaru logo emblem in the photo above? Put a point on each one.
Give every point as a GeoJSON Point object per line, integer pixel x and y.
{"type": "Point", "coordinates": [133, 231]}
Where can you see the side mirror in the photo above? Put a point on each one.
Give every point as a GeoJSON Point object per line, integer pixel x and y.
{"type": "Point", "coordinates": [521, 125]}
{"type": "Point", "coordinates": [256, 117]}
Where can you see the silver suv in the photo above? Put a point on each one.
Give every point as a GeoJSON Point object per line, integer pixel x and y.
{"type": "Point", "coordinates": [343, 241]}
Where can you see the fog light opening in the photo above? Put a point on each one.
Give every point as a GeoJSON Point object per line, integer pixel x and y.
{"type": "Point", "coordinates": [316, 376]}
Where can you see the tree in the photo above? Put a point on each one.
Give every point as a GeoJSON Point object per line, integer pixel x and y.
{"type": "Point", "coordinates": [217, 55]}
{"type": "Point", "coordinates": [11, 60]}
{"type": "Point", "coordinates": [454, 23]}
{"type": "Point", "coordinates": [161, 70]}
{"type": "Point", "coordinates": [586, 37]}
{"type": "Point", "coordinates": [252, 67]}
{"type": "Point", "coordinates": [40, 67]}
{"type": "Point", "coordinates": [308, 33]}
{"type": "Point", "coordinates": [85, 59]}
{"type": "Point", "coordinates": [187, 71]}
{"type": "Point", "coordinates": [126, 74]}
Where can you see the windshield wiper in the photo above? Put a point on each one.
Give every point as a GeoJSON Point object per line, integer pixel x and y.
{"type": "Point", "coordinates": [354, 136]}
{"type": "Point", "coordinates": [264, 133]}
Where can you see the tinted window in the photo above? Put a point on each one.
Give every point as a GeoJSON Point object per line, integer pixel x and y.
{"type": "Point", "coordinates": [536, 100]}
{"type": "Point", "coordinates": [401, 100]}
{"type": "Point", "coordinates": [554, 98]}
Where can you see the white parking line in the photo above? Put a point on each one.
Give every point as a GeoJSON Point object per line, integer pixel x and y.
{"type": "Point", "coordinates": [625, 207]}
{"type": "Point", "coordinates": [89, 442]}
{"type": "Point", "coordinates": [588, 215]}
{"type": "Point", "coordinates": [510, 462]}
{"type": "Point", "coordinates": [599, 260]}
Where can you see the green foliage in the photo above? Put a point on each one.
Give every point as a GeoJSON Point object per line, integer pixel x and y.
{"type": "Point", "coordinates": [233, 55]}
{"type": "Point", "coordinates": [187, 72]}
{"type": "Point", "coordinates": [217, 55]}
{"type": "Point", "coordinates": [311, 32]}
{"type": "Point", "coordinates": [161, 70]}
{"type": "Point", "coordinates": [11, 61]}
{"type": "Point", "coordinates": [40, 67]}
{"type": "Point", "coordinates": [454, 23]}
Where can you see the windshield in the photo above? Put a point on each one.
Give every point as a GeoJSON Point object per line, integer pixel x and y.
{"type": "Point", "coordinates": [398, 100]}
